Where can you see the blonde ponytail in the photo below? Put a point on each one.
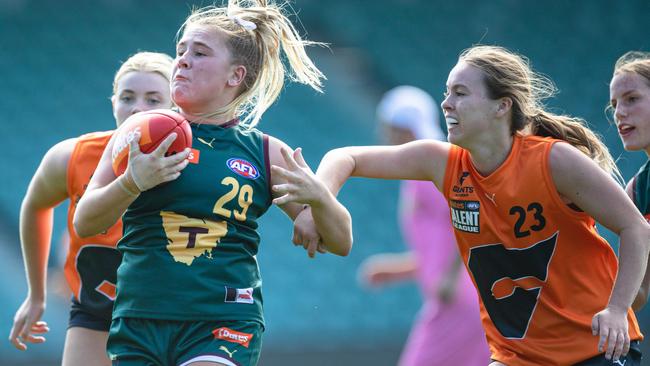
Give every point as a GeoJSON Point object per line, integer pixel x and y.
{"type": "Point", "coordinates": [575, 131]}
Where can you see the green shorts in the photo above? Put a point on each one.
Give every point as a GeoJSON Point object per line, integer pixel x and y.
{"type": "Point", "coordinates": [135, 341]}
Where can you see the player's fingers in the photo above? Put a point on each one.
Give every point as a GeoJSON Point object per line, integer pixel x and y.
{"type": "Point", "coordinates": [281, 189]}
{"type": "Point", "coordinates": [611, 344]}
{"type": "Point", "coordinates": [39, 330]}
{"type": "Point", "coordinates": [297, 236]}
{"type": "Point", "coordinates": [34, 339]}
{"type": "Point", "coordinates": [282, 200]}
{"type": "Point", "coordinates": [321, 248]}
{"type": "Point", "coordinates": [165, 144]}
{"type": "Point", "coordinates": [18, 343]}
{"type": "Point", "coordinates": [13, 334]}
{"type": "Point", "coordinates": [288, 158]}
{"type": "Point", "coordinates": [595, 325]}
{"type": "Point", "coordinates": [178, 157]}
{"type": "Point", "coordinates": [626, 345]}
{"type": "Point", "coordinates": [604, 333]}
{"type": "Point", "coordinates": [297, 156]}
{"type": "Point", "coordinates": [133, 138]}
{"type": "Point", "coordinates": [171, 176]}
{"type": "Point", "coordinates": [312, 247]}
{"type": "Point", "coordinates": [26, 326]}
{"type": "Point", "coordinates": [178, 166]}
{"type": "Point", "coordinates": [281, 172]}
{"type": "Point", "coordinates": [619, 348]}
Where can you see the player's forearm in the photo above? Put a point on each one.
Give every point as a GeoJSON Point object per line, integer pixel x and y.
{"type": "Point", "coordinates": [35, 237]}
{"type": "Point", "coordinates": [334, 224]}
{"type": "Point", "coordinates": [396, 266]}
{"type": "Point", "coordinates": [633, 259]}
{"type": "Point", "coordinates": [100, 208]}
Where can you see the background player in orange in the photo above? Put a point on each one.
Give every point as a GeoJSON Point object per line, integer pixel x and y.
{"type": "Point", "coordinates": [447, 328]}
{"type": "Point", "coordinates": [524, 207]}
{"type": "Point", "coordinates": [140, 84]}
{"type": "Point", "coordinates": [629, 93]}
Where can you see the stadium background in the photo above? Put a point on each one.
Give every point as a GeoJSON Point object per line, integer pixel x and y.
{"type": "Point", "coordinates": [58, 59]}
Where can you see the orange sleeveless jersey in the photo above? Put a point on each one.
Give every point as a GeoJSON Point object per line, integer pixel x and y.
{"type": "Point", "coordinates": [92, 262]}
{"type": "Point", "coordinates": [540, 268]}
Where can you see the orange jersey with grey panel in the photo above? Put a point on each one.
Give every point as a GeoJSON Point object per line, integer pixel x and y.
{"type": "Point", "coordinates": [541, 269]}
{"type": "Point", "coordinates": [92, 262]}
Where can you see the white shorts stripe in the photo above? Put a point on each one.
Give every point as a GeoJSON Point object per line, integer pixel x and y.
{"type": "Point", "coordinates": [209, 358]}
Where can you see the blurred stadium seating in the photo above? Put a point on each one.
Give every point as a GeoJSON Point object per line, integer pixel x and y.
{"type": "Point", "coordinates": [58, 61]}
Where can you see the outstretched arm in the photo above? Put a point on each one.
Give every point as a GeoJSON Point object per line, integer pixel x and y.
{"type": "Point", "coordinates": [47, 189]}
{"type": "Point", "coordinates": [417, 160]}
{"type": "Point", "coordinates": [295, 185]}
{"type": "Point", "coordinates": [384, 268]}
{"type": "Point", "coordinates": [581, 181]}
{"type": "Point", "coordinates": [107, 196]}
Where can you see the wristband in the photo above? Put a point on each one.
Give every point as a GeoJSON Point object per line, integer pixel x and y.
{"type": "Point", "coordinates": [135, 181]}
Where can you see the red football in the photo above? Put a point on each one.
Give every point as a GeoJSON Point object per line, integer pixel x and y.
{"type": "Point", "coordinates": [154, 126]}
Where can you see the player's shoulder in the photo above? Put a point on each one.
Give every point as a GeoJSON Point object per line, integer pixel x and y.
{"type": "Point", "coordinates": [54, 163]}
{"type": "Point", "coordinates": [95, 136]}
{"type": "Point", "coordinates": [61, 151]}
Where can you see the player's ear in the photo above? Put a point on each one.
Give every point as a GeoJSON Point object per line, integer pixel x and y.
{"type": "Point", "coordinates": [504, 106]}
{"type": "Point", "coordinates": [113, 107]}
{"type": "Point", "coordinates": [237, 75]}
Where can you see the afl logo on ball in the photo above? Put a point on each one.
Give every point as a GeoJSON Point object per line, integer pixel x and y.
{"type": "Point", "coordinates": [243, 168]}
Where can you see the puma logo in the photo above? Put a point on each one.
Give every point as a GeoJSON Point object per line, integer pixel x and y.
{"type": "Point", "coordinates": [491, 198]}
{"type": "Point", "coordinates": [223, 348]}
{"type": "Point", "coordinates": [205, 142]}
{"type": "Point", "coordinates": [618, 362]}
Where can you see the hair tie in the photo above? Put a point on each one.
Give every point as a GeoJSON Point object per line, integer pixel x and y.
{"type": "Point", "coordinates": [246, 24]}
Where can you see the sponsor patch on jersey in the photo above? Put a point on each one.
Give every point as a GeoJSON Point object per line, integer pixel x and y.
{"type": "Point", "coordinates": [463, 188]}
{"type": "Point", "coordinates": [239, 295]}
{"type": "Point", "coordinates": [194, 156]}
{"type": "Point", "coordinates": [243, 168]}
{"type": "Point", "coordinates": [233, 336]}
{"type": "Point", "coordinates": [465, 215]}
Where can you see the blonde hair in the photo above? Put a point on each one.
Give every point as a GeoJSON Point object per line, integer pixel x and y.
{"type": "Point", "coordinates": [255, 32]}
{"type": "Point", "coordinates": [509, 75]}
{"type": "Point", "coordinates": [634, 62]}
{"type": "Point", "coordinates": [154, 62]}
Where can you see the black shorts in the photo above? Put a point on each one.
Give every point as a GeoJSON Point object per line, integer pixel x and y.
{"type": "Point", "coordinates": [633, 358]}
{"type": "Point", "coordinates": [81, 317]}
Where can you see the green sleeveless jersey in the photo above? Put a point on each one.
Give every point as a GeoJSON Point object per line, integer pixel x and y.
{"type": "Point", "coordinates": [641, 188]}
{"type": "Point", "coordinates": [189, 246]}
